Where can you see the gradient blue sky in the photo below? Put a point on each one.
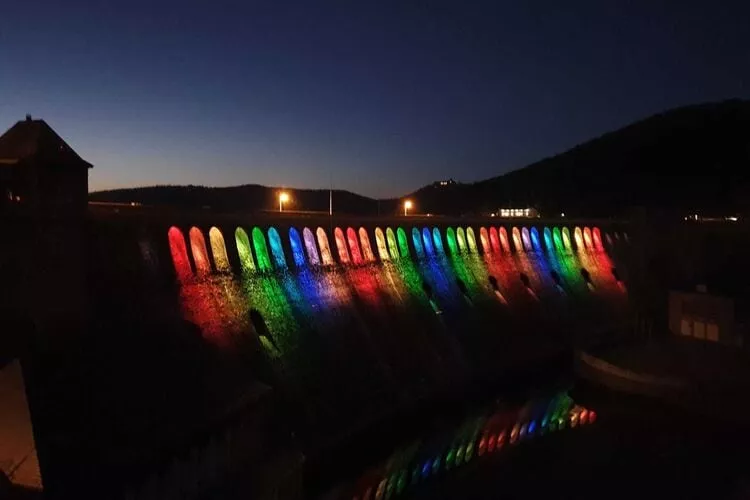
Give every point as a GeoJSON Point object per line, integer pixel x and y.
{"type": "Point", "coordinates": [380, 97]}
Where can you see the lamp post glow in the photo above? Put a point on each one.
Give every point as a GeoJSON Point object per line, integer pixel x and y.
{"type": "Point", "coordinates": [283, 198]}
{"type": "Point", "coordinates": [407, 206]}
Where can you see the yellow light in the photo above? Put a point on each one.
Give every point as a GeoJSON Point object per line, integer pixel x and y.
{"type": "Point", "coordinates": [407, 206]}
{"type": "Point", "coordinates": [283, 197]}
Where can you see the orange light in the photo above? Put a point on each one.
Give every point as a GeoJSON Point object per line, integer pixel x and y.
{"type": "Point", "coordinates": [283, 198]}
{"type": "Point", "coordinates": [407, 206]}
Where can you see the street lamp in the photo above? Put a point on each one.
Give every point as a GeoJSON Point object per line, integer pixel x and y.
{"type": "Point", "coordinates": [407, 205]}
{"type": "Point", "coordinates": [283, 198]}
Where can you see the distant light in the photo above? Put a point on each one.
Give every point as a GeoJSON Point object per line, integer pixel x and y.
{"type": "Point", "coordinates": [732, 218]}
{"type": "Point", "coordinates": [492, 214]}
{"type": "Point", "coordinates": [283, 198]}
{"type": "Point", "coordinates": [407, 206]}
{"type": "Point", "coordinates": [562, 214]}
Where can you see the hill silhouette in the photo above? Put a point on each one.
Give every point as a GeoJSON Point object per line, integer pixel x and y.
{"type": "Point", "coordinates": [689, 159]}
{"type": "Point", "coordinates": [245, 198]}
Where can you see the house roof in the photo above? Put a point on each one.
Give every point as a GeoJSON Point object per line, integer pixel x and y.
{"type": "Point", "coordinates": [34, 139]}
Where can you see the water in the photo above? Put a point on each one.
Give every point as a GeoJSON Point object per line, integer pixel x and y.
{"type": "Point", "coordinates": [377, 329]}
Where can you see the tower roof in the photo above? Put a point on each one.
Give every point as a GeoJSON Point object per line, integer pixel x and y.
{"type": "Point", "coordinates": [35, 140]}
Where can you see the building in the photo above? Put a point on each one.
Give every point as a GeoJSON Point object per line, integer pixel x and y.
{"type": "Point", "coordinates": [708, 317]}
{"type": "Point", "coordinates": [529, 213]}
{"type": "Point", "coordinates": [39, 172]}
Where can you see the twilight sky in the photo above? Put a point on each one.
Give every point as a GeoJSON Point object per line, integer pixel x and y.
{"type": "Point", "coordinates": [379, 97]}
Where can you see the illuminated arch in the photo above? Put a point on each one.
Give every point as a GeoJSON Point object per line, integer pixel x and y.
{"type": "Point", "coordinates": [450, 237]}
{"type": "Point", "coordinates": [471, 240]}
{"type": "Point", "coordinates": [517, 240]}
{"type": "Point", "coordinates": [338, 235]}
{"type": "Point", "coordinates": [200, 253]}
{"type": "Point", "coordinates": [427, 241]}
{"type": "Point", "coordinates": [298, 251]}
{"type": "Point", "coordinates": [312, 250]}
{"type": "Point", "coordinates": [566, 239]}
{"type": "Point", "coordinates": [416, 238]}
{"type": "Point", "coordinates": [403, 242]}
{"type": "Point", "coordinates": [325, 248]}
{"type": "Point", "coordinates": [178, 248]}
{"type": "Point", "coordinates": [276, 249]}
{"type": "Point", "coordinates": [461, 239]}
{"type": "Point", "coordinates": [261, 250]}
{"type": "Point", "coordinates": [494, 240]}
{"type": "Point", "coordinates": [608, 239]}
{"type": "Point", "coordinates": [218, 249]}
{"type": "Point", "coordinates": [244, 250]}
{"type": "Point", "coordinates": [578, 236]}
{"type": "Point", "coordinates": [484, 238]}
{"type": "Point", "coordinates": [549, 244]}
{"type": "Point", "coordinates": [437, 239]}
{"type": "Point", "coordinates": [557, 239]}
{"type": "Point", "coordinates": [503, 233]}
{"type": "Point", "coordinates": [392, 245]}
{"type": "Point", "coordinates": [525, 239]}
{"type": "Point", "coordinates": [351, 237]}
{"type": "Point", "coordinates": [535, 241]}
{"type": "Point", "coordinates": [380, 243]}
{"type": "Point", "coordinates": [587, 239]}
{"type": "Point", "coordinates": [596, 234]}
{"type": "Point", "coordinates": [364, 241]}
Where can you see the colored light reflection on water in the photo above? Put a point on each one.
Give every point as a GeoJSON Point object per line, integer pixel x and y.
{"type": "Point", "coordinates": [383, 332]}
{"type": "Point", "coordinates": [475, 437]}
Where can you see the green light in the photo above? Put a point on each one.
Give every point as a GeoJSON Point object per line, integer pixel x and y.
{"type": "Point", "coordinates": [382, 248]}
{"type": "Point", "coordinates": [461, 238]}
{"type": "Point", "coordinates": [243, 249]}
{"type": "Point", "coordinates": [261, 250]}
{"type": "Point", "coordinates": [450, 236]}
{"type": "Point", "coordinates": [449, 459]}
{"type": "Point", "coordinates": [403, 243]}
{"type": "Point", "coordinates": [392, 246]}
{"type": "Point", "coordinates": [471, 239]}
